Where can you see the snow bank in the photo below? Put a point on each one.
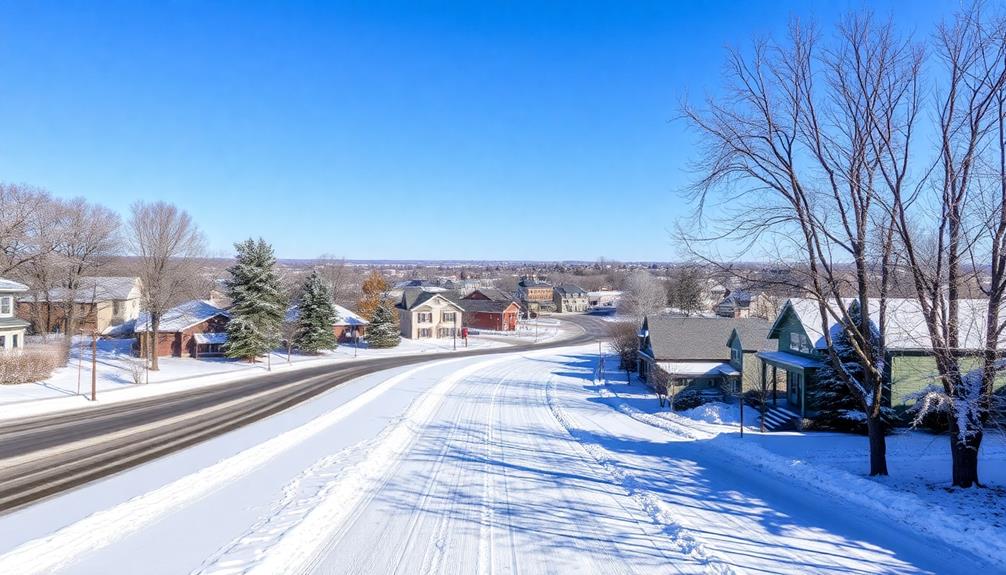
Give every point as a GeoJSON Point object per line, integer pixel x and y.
{"type": "Point", "coordinates": [46, 554]}
{"type": "Point", "coordinates": [977, 537]}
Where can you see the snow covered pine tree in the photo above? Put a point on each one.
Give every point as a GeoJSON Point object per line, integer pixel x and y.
{"type": "Point", "coordinates": [837, 407]}
{"type": "Point", "coordinates": [316, 316]}
{"type": "Point", "coordinates": [258, 302]}
{"type": "Point", "coordinates": [383, 331]}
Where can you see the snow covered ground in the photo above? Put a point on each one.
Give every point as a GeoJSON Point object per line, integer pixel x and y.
{"type": "Point", "coordinates": [515, 463]}
{"type": "Point", "coordinates": [70, 386]}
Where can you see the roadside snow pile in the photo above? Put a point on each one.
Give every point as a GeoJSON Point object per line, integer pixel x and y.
{"type": "Point", "coordinates": [714, 412]}
{"type": "Point", "coordinates": [962, 531]}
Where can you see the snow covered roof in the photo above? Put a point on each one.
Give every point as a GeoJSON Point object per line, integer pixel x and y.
{"type": "Point", "coordinates": [11, 285]}
{"type": "Point", "coordinates": [183, 316]}
{"type": "Point", "coordinates": [347, 317]}
{"type": "Point", "coordinates": [696, 368]}
{"type": "Point", "coordinates": [906, 324]}
{"type": "Point", "coordinates": [97, 288]}
{"type": "Point", "coordinates": [789, 359]}
{"type": "Point", "coordinates": [216, 338]}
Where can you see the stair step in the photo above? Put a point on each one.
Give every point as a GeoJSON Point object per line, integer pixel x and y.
{"type": "Point", "coordinates": [774, 417]}
{"type": "Point", "coordinates": [785, 411]}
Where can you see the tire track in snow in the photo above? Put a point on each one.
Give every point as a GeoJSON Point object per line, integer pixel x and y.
{"type": "Point", "coordinates": [299, 547]}
{"type": "Point", "coordinates": [685, 541]}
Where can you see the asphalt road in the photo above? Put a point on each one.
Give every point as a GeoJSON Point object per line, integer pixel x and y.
{"type": "Point", "coordinates": [42, 456]}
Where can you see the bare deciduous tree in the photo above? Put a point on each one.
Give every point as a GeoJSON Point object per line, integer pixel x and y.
{"type": "Point", "coordinates": [166, 243]}
{"type": "Point", "coordinates": [642, 294]}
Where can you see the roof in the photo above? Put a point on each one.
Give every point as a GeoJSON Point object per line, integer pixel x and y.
{"type": "Point", "coordinates": [703, 338]}
{"type": "Point", "coordinates": [211, 338]}
{"type": "Point", "coordinates": [789, 359]}
{"type": "Point", "coordinates": [697, 368]}
{"type": "Point", "coordinates": [9, 322]}
{"type": "Point", "coordinates": [347, 317]}
{"type": "Point", "coordinates": [413, 297]}
{"type": "Point", "coordinates": [492, 293]}
{"type": "Point", "coordinates": [738, 298]}
{"type": "Point", "coordinates": [183, 316]}
{"type": "Point", "coordinates": [97, 288]}
{"type": "Point", "coordinates": [571, 289]}
{"type": "Point", "coordinates": [905, 325]}
{"type": "Point", "coordinates": [487, 306]}
{"type": "Point", "coordinates": [11, 285]}
{"type": "Point", "coordinates": [529, 283]}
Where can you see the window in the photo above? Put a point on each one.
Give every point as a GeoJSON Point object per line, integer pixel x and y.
{"type": "Point", "coordinates": [425, 332]}
{"type": "Point", "coordinates": [13, 341]}
{"type": "Point", "coordinates": [116, 307]}
{"type": "Point", "coordinates": [799, 342]}
{"type": "Point", "coordinates": [3, 342]}
{"type": "Point", "coordinates": [424, 317]}
{"type": "Point", "coordinates": [445, 332]}
{"type": "Point", "coordinates": [5, 303]}
{"type": "Point", "coordinates": [449, 316]}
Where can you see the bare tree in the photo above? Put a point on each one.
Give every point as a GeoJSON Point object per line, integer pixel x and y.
{"type": "Point", "coordinates": [166, 242]}
{"type": "Point", "coordinates": [624, 341]}
{"type": "Point", "coordinates": [790, 164]}
{"type": "Point", "coordinates": [685, 289]}
{"type": "Point", "coordinates": [88, 234]}
{"type": "Point", "coordinates": [952, 223]}
{"type": "Point", "coordinates": [642, 294]}
{"type": "Point", "coordinates": [24, 215]}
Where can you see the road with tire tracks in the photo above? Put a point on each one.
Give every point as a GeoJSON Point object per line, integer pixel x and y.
{"type": "Point", "coordinates": [45, 455]}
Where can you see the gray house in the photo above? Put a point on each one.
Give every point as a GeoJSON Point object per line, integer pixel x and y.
{"type": "Point", "coordinates": [712, 353]}
{"type": "Point", "coordinates": [570, 298]}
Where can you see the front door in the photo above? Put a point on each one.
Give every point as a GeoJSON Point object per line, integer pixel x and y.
{"type": "Point", "coordinates": [794, 387]}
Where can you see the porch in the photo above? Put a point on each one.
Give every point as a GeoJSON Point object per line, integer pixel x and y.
{"type": "Point", "coordinates": [800, 372]}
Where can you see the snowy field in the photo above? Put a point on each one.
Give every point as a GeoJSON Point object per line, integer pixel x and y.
{"type": "Point", "coordinates": [515, 463]}
{"type": "Point", "coordinates": [70, 386]}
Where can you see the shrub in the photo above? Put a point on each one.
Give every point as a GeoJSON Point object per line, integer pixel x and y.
{"type": "Point", "coordinates": [690, 398]}
{"type": "Point", "coordinates": [31, 364]}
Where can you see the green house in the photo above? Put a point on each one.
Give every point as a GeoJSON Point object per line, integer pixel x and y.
{"type": "Point", "coordinates": [910, 367]}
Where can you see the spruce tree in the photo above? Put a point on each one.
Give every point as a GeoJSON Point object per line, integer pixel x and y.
{"type": "Point", "coordinates": [258, 303]}
{"type": "Point", "coordinates": [837, 408]}
{"type": "Point", "coordinates": [317, 314]}
{"type": "Point", "coordinates": [383, 331]}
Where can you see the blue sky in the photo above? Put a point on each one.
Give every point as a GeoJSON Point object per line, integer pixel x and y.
{"type": "Point", "coordinates": [442, 130]}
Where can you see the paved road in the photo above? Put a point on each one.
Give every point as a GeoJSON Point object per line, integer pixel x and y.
{"type": "Point", "coordinates": [42, 456]}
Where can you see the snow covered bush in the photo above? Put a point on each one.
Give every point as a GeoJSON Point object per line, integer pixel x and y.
{"type": "Point", "coordinates": [690, 399]}
{"type": "Point", "coordinates": [31, 364]}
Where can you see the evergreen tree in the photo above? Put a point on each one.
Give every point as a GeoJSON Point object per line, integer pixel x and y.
{"type": "Point", "coordinates": [837, 408]}
{"type": "Point", "coordinates": [258, 303]}
{"type": "Point", "coordinates": [383, 331]}
{"type": "Point", "coordinates": [317, 314]}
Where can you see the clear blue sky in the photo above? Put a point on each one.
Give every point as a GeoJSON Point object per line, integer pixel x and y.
{"type": "Point", "coordinates": [468, 130]}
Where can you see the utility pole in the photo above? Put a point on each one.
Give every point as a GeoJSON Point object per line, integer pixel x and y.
{"type": "Point", "coordinates": [741, 396]}
{"type": "Point", "coordinates": [356, 340]}
{"type": "Point", "coordinates": [455, 331]}
{"type": "Point", "coordinates": [80, 360]}
{"type": "Point", "coordinates": [94, 366]}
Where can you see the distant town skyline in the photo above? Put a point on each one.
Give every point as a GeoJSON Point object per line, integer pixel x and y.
{"type": "Point", "coordinates": [481, 131]}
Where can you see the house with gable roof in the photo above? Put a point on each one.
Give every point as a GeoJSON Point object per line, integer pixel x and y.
{"type": "Point", "coordinates": [196, 328]}
{"type": "Point", "coordinates": [12, 329]}
{"type": "Point", "coordinates": [425, 314]}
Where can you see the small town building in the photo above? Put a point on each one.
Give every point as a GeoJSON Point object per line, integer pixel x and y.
{"type": "Point", "coordinates": [741, 303]}
{"type": "Point", "coordinates": [427, 314]}
{"type": "Point", "coordinates": [12, 329]}
{"type": "Point", "coordinates": [800, 349]}
{"type": "Point", "coordinates": [535, 295]}
{"type": "Point", "coordinates": [603, 301]}
{"type": "Point", "coordinates": [701, 353]}
{"type": "Point", "coordinates": [102, 305]}
{"type": "Point", "coordinates": [349, 326]}
{"type": "Point", "coordinates": [490, 293]}
{"type": "Point", "coordinates": [570, 298]}
{"type": "Point", "coordinates": [490, 314]}
{"type": "Point", "coordinates": [196, 328]}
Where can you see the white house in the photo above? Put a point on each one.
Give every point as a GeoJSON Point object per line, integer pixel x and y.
{"type": "Point", "coordinates": [11, 328]}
